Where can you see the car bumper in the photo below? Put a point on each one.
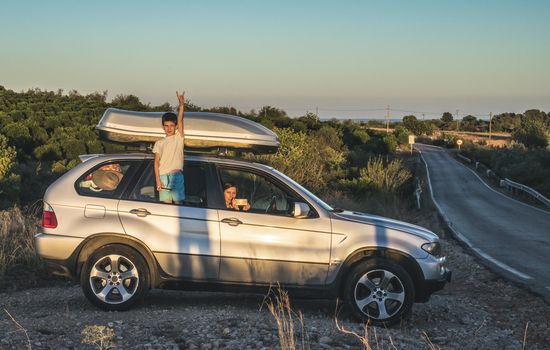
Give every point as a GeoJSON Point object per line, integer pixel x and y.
{"type": "Point", "coordinates": [55, 247]}
{"type": "Point", "coordinates": [56, 252]}
{"type": "Point", "coordinates": [433, 285]}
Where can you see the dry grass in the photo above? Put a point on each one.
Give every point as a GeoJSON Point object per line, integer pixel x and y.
{"type": "Point", "coordinates": [101, 337]}
{"type": "Point", "coordinates": [20, 329]}
{"type": "Point", "coordinates": [368, 338]}
{"type": "Point", "coordinates": [278, 304]}
{"type": "Point", "coordinates": [17, 252]}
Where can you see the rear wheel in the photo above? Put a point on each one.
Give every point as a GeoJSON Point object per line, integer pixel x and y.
{"type": "Point", "coordinates": [115, 277]}
{"type": "Point", "coordinates": [379, 291]}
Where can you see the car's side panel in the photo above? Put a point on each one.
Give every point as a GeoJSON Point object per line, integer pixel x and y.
{"type": "Point", "coordinates": [349, 237]}
{"type": "Point", "coordinates": [269, 249]}
{"type": "Point", "coordinates": [184, 240]}
{"type": "Point", "coordinates": [77, 220]}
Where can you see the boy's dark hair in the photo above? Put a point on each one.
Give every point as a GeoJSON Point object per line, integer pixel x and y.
{"type": "Point", "coordinates": [169, 117]}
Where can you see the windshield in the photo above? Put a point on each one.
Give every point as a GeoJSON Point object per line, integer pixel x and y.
{"type": "Point", "coordinates": [310, 195]}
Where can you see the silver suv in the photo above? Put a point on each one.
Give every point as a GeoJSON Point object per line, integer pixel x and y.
{"type": "Point", "coordinates": [120, 241]}
{"type": "Point", "coordinates": [103, 224]}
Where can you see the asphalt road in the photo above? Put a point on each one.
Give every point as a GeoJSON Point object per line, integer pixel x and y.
{"type": "Point", "coordinates": [512, 238]}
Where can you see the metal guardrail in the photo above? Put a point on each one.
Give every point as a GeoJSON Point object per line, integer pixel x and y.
{"type": "Point", "coordinates": [464, 158]}
{"type": "Point", "coordinates": [511, 184]}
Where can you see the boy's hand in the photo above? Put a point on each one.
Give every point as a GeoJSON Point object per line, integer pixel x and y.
{"type": "Point", "coordinates": [181, 97]}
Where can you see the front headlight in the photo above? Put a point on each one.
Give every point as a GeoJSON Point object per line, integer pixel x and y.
{"type": "Point", "coordinates": [433, 248]}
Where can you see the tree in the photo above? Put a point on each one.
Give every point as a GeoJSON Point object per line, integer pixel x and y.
{"type": "Point", "coordinates": [130, 102]}
{"type": "Point", "coordinates": [532, 133]}
{"type": "Point", "coordinates": [469, 123]}
{"type": "Point", "coordinates": [412, 124]}
{"type": "Point", "coordinates": [447, 117]}
{"type": "Point", "coordinates": [9, 181]}
{"type": "Point", "coordinates": [312, 159]}
{"type": "Point", "coordinates": [401, 134]}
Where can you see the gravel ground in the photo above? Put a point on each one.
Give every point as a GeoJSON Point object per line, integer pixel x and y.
{"type": "Point", "coordinates": [478, 310]}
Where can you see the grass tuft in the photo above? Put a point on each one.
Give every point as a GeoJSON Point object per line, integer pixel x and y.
{"type": "Point", "coordinates": [17, 251]}
{"type": "Point", "coordinates": [278, 304]}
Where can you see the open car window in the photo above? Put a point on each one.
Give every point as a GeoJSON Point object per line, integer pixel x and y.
{"type": "Point", "coordinates": [262, 194]}
{"type": "Point", "coordinates": [194, 185]}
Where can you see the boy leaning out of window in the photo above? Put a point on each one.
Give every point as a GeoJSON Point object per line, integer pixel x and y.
{"type": "Point", "coordinates": [169, 157]}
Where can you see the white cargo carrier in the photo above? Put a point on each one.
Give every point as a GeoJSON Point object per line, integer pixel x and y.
{"type": "Point", "coordinates": [203, 131]}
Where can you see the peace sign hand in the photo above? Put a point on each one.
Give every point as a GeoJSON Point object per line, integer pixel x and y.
{"type": "Point", "coordinates": [181, 97]}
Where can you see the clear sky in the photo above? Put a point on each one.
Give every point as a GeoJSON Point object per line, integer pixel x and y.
{"type": "Point", "coordinates": [346, 58]}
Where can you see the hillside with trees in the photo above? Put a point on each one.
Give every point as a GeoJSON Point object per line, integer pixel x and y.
{"type": "Point", "coordinates": [42, 133]}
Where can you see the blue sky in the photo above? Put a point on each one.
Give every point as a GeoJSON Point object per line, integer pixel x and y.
{"type": "Point", "coordinates": [346, 58]}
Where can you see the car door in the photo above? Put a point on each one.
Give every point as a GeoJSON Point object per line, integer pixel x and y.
{"type": "Point", "coordinates": [266, 244]}
{"type": "Point", "coordinates": [185, 239]}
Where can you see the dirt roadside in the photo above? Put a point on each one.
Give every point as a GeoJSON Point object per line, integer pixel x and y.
{"type": "Point", "coordinates": [478, 310]}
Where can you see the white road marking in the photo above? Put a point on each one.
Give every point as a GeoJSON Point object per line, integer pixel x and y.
{"type": "Point", "coordinates": [466, 240]}
{"type": "Point", "coordinates": [503, 265]}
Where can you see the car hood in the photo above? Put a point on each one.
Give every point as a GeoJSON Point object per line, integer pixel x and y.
{"type": "Point", "coordinates": [386, 223]}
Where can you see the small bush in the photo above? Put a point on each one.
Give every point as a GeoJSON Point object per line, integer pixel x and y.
{"type": "Point", "coordinates": [313, 159]}
{"type": "Point", "coordinates": [532, 133]}
{"type": "Point", "coordinates": [378, 175]}
{"type": "Point", "coordinates": [17, 229]}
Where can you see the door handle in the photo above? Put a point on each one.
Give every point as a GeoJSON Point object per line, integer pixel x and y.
{"type": "Point", "coordinates": [140, 212]}
{"type": "Point", "coordinates": [232, 221]}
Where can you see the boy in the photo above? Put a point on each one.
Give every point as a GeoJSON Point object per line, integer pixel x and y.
{"type": "Point", "coordinates": [169, 157]}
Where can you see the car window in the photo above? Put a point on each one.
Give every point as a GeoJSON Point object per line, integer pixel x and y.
{"type": "Point", "coordinates": [104, 180]}
{"type": "Point", "coordinates": [194, 185]}
{"type": "Point", "coordinates": [262, 194]}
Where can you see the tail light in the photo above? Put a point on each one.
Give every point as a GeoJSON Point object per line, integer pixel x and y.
{"type": "Point", "coordinates": [48, 217]}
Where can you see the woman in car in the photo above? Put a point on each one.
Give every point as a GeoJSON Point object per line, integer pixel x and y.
{"type": "Point", "coordinates": [231, 202]}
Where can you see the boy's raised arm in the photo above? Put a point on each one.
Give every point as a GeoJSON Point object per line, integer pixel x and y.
{"type": "Point", "coordinates": [181, 99]}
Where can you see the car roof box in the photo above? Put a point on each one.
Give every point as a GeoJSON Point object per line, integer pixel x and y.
{"type": "Point", "coordinates": [203, 131]}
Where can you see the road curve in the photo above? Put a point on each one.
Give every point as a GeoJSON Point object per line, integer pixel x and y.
{"type": "Point", "coordinates": [513, 238]}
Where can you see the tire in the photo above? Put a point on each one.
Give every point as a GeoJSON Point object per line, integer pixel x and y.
{"type": "Point", "coordinates": [379, 291]}
{"type": "Point", "coordinates": [115, 277]}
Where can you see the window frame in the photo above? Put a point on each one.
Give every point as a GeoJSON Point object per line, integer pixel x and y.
{"type": "Point", "coordinates": [149, 165]}
{"type": "Point", "coordinates": [127, 179]}
{"type": "Point", "coordinates": [269, 177]}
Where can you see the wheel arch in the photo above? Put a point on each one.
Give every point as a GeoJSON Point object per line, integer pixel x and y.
{"type": "Point", "coordinates": [404, 260]}
{"type": "Point", "coordinates": [92, 243]}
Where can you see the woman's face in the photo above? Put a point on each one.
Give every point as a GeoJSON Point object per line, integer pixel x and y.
{"type": "Point", "coordinates": [229, 194]}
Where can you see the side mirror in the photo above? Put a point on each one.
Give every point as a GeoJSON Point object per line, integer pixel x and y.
{"type": "Point", "coordinates": [301, 210]}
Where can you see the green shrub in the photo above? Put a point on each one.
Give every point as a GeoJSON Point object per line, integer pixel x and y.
{"type": "Point", "coordinates": [9, 180]}
{"type": "Point", "coordinates": [401, 133]}
{"type": "Point", "coordinates": [378, 175]}
{"type": "Point", "coordinates": [313, 159]}
{"type": "Point", "coordinates": [532, 133]}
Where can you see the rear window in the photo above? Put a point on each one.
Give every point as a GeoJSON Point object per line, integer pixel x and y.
{"type": "Point", "coordinates": [106, 180]}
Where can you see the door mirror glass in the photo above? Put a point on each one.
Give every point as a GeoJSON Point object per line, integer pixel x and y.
{"type": "Point", "coordinates": [301, 210]}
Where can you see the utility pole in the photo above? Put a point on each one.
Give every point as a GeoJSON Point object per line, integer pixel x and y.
{"type": "Point", "coordinates": [490, 122]}
{"type": "Point", "coordinates": [387, 118]}
{"type": "Point", "coordinates": [457, 127]}
{"type": "Point", "coordinates": [422, 116]}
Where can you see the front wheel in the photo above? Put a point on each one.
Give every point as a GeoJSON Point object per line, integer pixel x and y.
{"type": "Point", "coordinates": [115, 277]}
{"type": "Point", "coordinates": [379, 291]}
